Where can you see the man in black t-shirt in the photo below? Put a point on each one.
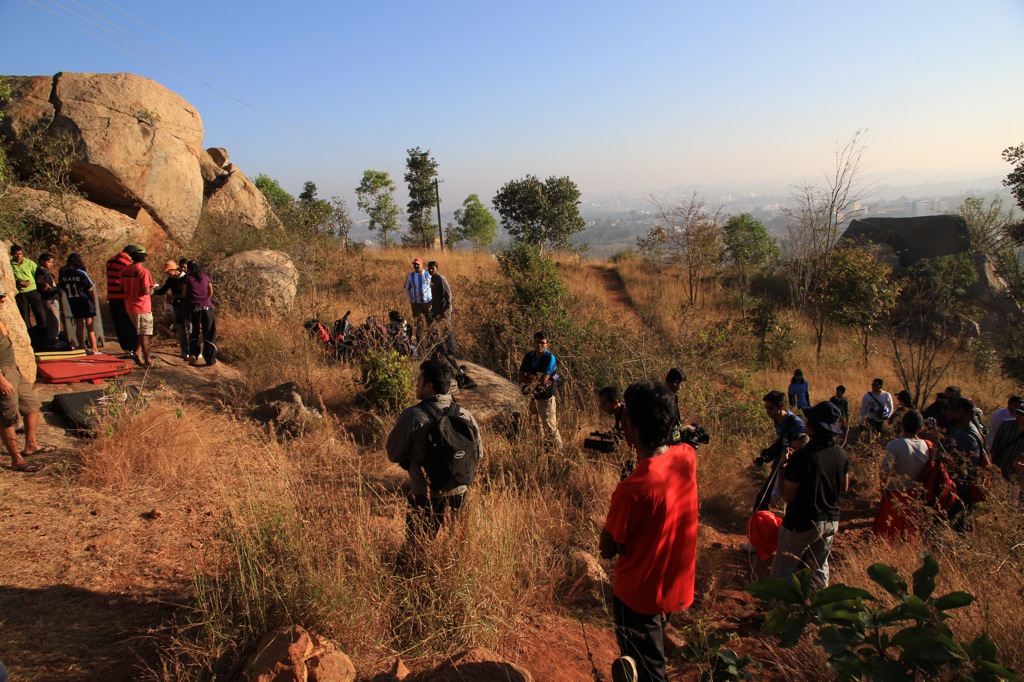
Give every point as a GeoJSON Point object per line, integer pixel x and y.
{"type": "Point", "coordinates": [814, 478]}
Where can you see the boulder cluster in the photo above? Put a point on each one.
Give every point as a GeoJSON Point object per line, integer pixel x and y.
{"type": "Point", "coordinates": [136, 159]}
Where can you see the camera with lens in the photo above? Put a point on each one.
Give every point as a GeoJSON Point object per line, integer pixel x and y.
{"type": "Point", "coordinates": [694, 437]}
{"type": "Point", "coordinates": [767, 456]}
{"type": "Point", "coordinates": [600, 442]}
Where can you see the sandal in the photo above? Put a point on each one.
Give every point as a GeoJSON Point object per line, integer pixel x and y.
{"type": "Point", "coordinates": [43, 449]}
{"type": "Point", "coordinates": [28, 468]}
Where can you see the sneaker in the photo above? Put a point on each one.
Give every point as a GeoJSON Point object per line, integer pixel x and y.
{"type": "Point", "coordinates": [624, 670]}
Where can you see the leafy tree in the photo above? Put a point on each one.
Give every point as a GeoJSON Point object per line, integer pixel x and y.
{"type": "Point", "coordinates": [474, 223]}
{"type": "Point", "coordinates": [542, 214]}
{"type": "Point", "coordinates": [691, 237]}
{"type": "Point", "coordinates": [749, 248]}
{"type": "Point", "coordinates": [989, 226]}
{"type": "Point", "coordinates": [421, 170]}
{"type": "Point", "coordinates": [930, 325]}
{"type": "Point", "coordinates": [375, 196]}
{"type": "Point", "coordinates": [272, 190]}
{"type": "Point", "coordinates": [860, 291]}
{"type": "Point", "coordinates": [1015, 179]}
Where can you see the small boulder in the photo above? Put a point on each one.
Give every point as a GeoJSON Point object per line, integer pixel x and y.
{"type": "Point", "coordinates": [587, 578]}
{"type": "Point", "coordinates": [331, 666]}
{"type": "Point", "coordinates": [260, 279]}
{"type": "Point", "coordinates": [282, 407]}
{"type": "Point", "coordinates": [294, 655]}
{"type": "Point", "coordinates": [218, 155]}
{"type": "Point", "coordinates": [478, 665]}
{"type": "Point", "coordinates": [235, 200]}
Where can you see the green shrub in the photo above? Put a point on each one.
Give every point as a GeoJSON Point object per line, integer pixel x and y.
{"type": "Point", "coordinates": [387, 380]}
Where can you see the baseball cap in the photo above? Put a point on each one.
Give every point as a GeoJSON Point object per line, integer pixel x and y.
{"type": "Point", "coordinates": [170, 265]}
{"type": "Point", "coordinates": [826, 415]}
{"type": "Point", "coordinates": [131, 248]}
{"type": "Point", "coordinates": [417, 261]}
{"type": "Point", "coordinates": [961, 403]}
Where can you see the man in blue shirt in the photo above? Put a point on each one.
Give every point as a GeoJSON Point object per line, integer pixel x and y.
{"type": "Point", "coordinates": [536, 376]}
{"type": "Point", "coordinates": [788, 427]}
{"type": "Point", "coordinates": [417, 290]}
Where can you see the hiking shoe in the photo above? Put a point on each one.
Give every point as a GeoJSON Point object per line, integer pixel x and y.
{"type": "Point", "coordinates": [624, 670]}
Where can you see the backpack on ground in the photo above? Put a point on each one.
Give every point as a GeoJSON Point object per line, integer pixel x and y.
{"type": "Point", "coordinates": [451, 454]}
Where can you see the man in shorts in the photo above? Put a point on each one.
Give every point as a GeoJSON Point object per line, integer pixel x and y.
{"type": "Point", "coordinates": [137, 283]}
{"type": "Point", "coordinates": [17, 395]}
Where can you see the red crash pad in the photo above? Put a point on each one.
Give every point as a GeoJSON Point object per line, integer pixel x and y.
{"type": "Point", "coordinates": [87, 368]}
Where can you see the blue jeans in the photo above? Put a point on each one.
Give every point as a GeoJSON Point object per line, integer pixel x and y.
{"type": "Point", "coordinates": [808, 548]}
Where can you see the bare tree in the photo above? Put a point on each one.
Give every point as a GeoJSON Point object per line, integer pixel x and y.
{"type": "Point", "coordinates": [822, 206]}
{"type": "Point", "coordinates": [691, 236]}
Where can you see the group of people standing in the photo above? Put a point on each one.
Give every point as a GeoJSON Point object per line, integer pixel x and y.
{"type": "Point", "coordinates": [130, 288]}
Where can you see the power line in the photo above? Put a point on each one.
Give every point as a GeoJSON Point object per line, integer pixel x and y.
{"type": "Point", "coordinates": [193, 74]}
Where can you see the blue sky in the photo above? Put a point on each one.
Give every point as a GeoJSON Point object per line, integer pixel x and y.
{"type": "Point", "coordinates": [625, 98]}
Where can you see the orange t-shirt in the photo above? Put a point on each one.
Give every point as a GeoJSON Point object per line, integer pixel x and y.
{"type": "Point", "coordinates": [653, 513]}
{"type": "Point", "coordinates": [136, 281]}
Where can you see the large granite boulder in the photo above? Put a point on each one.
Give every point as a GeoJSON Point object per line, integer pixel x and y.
{"type": "Point", "coordinates": [11, 318]}
{"type": "Point", "coordinates": [29, 109]}
{"type": "Point", "coordinates": [91, 221]}
{"type": "Point", "coordinates": [236, 201]}
{"type": "Point", "coordinates": [261, 279]}
{"type": "Point", "coordinates": [140, 145]}
{"type": "Point", "coordinates": [913, 239]}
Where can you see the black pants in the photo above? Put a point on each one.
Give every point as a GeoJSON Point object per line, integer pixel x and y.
{"type": "Point", "coordinates": [428, 514]}
{"type": "Point", "coordinates": [31, 300]}
{"type": "Point", "coordinates": [203, 319]}
{"type": "Point", "coordinates": [127, 336]}
{"type": "Point", "coordinates": [642, 638]}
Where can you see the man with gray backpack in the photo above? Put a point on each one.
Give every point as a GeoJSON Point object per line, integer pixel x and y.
{"type": "Point", "coordinates": [438, 442]}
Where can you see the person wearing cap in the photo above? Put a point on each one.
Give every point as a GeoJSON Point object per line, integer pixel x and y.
{"type": "Point", "coordinates": [172, 285]}
{"type": "Point", "coordinates": [813, 480]}
{"type": "Point", "coordinates": [417, 290]}
{"type": "Point", "coordinates": [899, 471]}
{"type": "Point", "coordinates": [17, 396]}
{"type": "Point", "coordinates": [28, 297]}
{"type": "Point", "coordinates": [788, 428]}
{"type": "Point", "coordinates": [1003, 414]}
{"type": "Point", "coordinates": [963, 451]}
{"type": "Point", "coordinates": [1008, 444]}
{"type": "Point", "coordinates": [875, 407]}
{"type": "Point", "coordinates": [80, 292]}
{"type": "Point", "coordinates": [137, 284]}
{"type": "Point", "coordinates": [441, 305]}
{"type": "Point", "coordinates": [127, 338]}
{"type": "Point", "coordinates": [651, 532]}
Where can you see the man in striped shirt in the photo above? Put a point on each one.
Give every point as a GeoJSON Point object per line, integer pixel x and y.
{"type": "Point", "coordinates": [417, 290]}
{"type": "Point", "coordinates": [127, 337]}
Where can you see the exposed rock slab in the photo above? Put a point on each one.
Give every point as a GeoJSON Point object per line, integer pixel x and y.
{"type": "Point", "coordinates": [237, 202]}
{"type": "Point", "coordinates": [12, 319]}
{"type": "Point", "coordinates": [261, 279]}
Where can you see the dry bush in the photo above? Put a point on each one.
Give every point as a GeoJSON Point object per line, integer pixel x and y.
{"type": "Point", "coordinates": [166, 444]}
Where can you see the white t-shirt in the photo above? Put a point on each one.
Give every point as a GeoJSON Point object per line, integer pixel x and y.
{"type": "Point", "coordinates": [904, 460]}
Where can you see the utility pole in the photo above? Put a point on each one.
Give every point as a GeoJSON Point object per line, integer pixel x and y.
{"type": "Point", "coordinates": [440, 230]}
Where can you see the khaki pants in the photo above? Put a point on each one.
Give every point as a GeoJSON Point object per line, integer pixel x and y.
{"type": "Point", "coordinates": [545, 411]}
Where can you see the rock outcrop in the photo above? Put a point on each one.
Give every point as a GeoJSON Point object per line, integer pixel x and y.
{"type": "Point", "coordinates": [261, 279]}
{"type": "Point", "coordinates": [478, 665]}
{"type": "Point", "coordinates": [11, 318]}
{"type": "Point", "coordinates": [137, 150]}
{"type": "Point", "coordinates": [282, 409]}
{"type": "Point", "coordinates": [294, 655]}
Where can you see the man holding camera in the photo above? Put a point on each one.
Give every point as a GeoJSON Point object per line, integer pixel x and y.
{"type": "Point", "coordinates": [875, 407]}
{"type": "Point", "coordinates": [788, 428]}
{"type": "Point", "coordinates": [652, 529]}
{"type": "Point", "coordinates": [537, 377]}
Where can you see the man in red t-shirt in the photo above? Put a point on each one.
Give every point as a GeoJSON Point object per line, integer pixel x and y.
{"type": "Point", "coordinates": [652, 528]}
{"type": "Point", "coordinates": [137, 283]}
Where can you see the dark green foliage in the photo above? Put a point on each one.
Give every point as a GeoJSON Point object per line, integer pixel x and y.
{"type": "Point", "coordinates": [421, 170]}
{"type": "Point", "coordinates": [387, 380]}
{"type": "Point", "coordinates": [474, 223]}
{"type": "Point", "coordinates": [749, 248]}
{"type": "Point", "coordinates": [1015, 179]}
{"type": "Point", "coordinates": [704, 648]}
{"type": "Point", "coordinates": [273, 191]}
{"type": "Point", "coordinates": [867, 640]}
{"type": "Point", "coordinates": [541, 214]}
{"type": "Point", "coordinates": [376, 197]}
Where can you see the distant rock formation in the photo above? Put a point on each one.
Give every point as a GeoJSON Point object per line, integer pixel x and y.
{"type": "Point", "coordinates": [141, 156]}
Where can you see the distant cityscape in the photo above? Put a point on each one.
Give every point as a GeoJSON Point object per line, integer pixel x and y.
{"type": "Point", "coordinates": [615, 222]}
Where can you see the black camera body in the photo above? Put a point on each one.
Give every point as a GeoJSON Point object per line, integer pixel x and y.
{"type": "Point", "coordinates": [696, 437]}
{"type": "Point", "coordinates": [600, 442]}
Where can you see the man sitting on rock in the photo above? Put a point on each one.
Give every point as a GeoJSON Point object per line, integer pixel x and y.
{"type": "Point", "coordinates": [17, 395]}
